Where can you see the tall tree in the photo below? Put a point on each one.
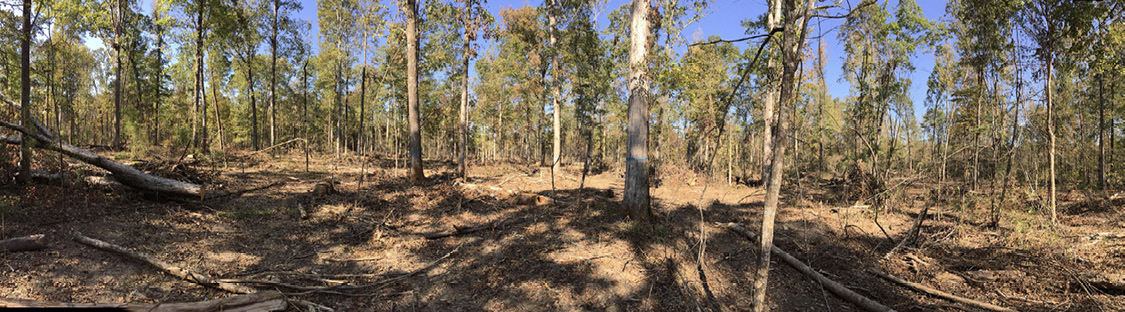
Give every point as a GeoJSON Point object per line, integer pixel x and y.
{"type": "Point", "coordinates": [25, 93]}
{"type": "Point", "coordinates": [636, 198]}
{"type": "Point", "coordinates": [413, 123]}
{"type": "Point", "coordinates": [475, 19]}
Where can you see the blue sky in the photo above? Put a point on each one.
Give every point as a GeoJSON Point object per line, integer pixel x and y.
{"type": "Point", "coordinates": [724, 18]}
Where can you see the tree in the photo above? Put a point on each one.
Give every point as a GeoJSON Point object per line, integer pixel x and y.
{"type": "Point", "coordinates": [475, 19]}
{"type": "Point", "coordinates": [25, 93]}
{"type": "Point", "coordinates": [411, 11]}
{"type": "Point", "coordinates": [1049, 23]}
{"type": "Point", "coordinates": [636, 198]}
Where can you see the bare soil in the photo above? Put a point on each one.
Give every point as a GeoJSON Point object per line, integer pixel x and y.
{"type": "Point", "coordinates": [574, 251]}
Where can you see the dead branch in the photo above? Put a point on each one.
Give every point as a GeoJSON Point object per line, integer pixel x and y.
{"type": "Point", "coordinates": [163, 266]}
{"type": "Point", "coordinates": [940, 294]}
{"type": "Point", "coordinates": [836, 288]}
{"type": "Point", "coordinates": [25, 243]}
{"type": "Point", "coordinates": [910, 235]}
{"type": "Point", "coordinates": [261, 301]}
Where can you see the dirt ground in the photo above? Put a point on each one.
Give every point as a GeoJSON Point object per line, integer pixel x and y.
{"type": "Point", "coordinates": [538, 248]}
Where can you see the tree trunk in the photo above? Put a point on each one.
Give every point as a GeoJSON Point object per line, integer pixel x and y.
{"type": "Point", "coordinates": [413, 122]}
{"type": "Point", "coordinates": [253, 100]}
{"type": "Point", "coordinates": [117, 76]}
{"type": "Point", "coordinates": [1101, 134]}
{"type": "Point", "coordinates": [791, 47]}
{"type": "Point", "coordinates": [463, 114]}
{"type": "Point", "coordinates": [555, 125]}
{"type": "Point", "coordinates": [636, 197]}
{"type": "Point", "coordinates": [1051, 137]}
{"type": "Point", "coordinates": [273, 75]}
{"type": "Point", "coordinates": [199, 99]}
{"type": "Point", "coordinates": [158, 86]}
{"type": "Point", "coordinates": [363, 98]}
{"type": "Point", "coordinates": [218, 112]}
{"type": "Point", "coordinates": [25, 93]}
{"type": "Point", "coordinates": [768, 117]}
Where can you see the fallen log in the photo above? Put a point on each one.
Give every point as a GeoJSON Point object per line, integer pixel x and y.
{"type": "Point", "coordinates": [261, 301]}
{"type": "Point", "coordinates": [25, 243]}
{"type": "Point", "coordinates": [832, 286]}
{"type": "Point", "coordinates": [940, 294]}
{"type": "Point", "coordinates": [176, 271]}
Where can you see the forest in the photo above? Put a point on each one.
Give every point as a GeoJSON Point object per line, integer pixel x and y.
{"type": "Point", "coordinates": [573, 155]}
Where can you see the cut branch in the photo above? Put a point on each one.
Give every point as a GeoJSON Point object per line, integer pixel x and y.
{"type": "Point", "coordinates": [940, 294]}
{"type": "Point", "coordinates": [26, 243]}
{"type": "Point", "coordinates": [833, 286]}
{"type": "Point", "coordinates": [262, 301]}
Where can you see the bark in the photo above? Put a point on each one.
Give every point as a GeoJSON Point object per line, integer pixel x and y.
{"type": "Point", "coordinates": [25, 93]}
{"type": "Point", "coordinates": [25, 243]}
{"type": "Point", "coordinates": [263, 301]}
{"type": "Point", "coordinates": [413, 123]}
{"type": "Point", "coordinates": [832, 286]}
{"type": "Point", "coordinates": [636, 197]}
{"type": "Point", "coordinates": [791, 46]}
{"type": "Point", "coordinates": [218, 113]}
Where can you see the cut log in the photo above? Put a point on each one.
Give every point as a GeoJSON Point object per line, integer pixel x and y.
{"type": "Point", "coordinates": [832, 286]}
{"type": "Point", "coordinates": [163, 266]}
{"type": "Point", "coordinates": [261, 301]}
{"type": "Point", "coordinates": [125, 174]}
{"type": "Point", "coordinates": [940, 294]}
{"type": "Point", "coordinates": [26, 243]}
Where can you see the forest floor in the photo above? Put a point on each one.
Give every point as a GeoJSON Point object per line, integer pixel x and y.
{"type": "Point", "coordinates": [541, 248]}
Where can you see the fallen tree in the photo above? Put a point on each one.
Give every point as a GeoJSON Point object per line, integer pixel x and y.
{"type": "Point", "coordinates": [43, 138]}
{"type": "Point", "coordinates": [940, 294]}
{"type": "Point", "coordinates": [832, 286]}
{"type": "Point", "coordinates": [25, 243]}
{"type": "Point", "coordinates": [261, 301]}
